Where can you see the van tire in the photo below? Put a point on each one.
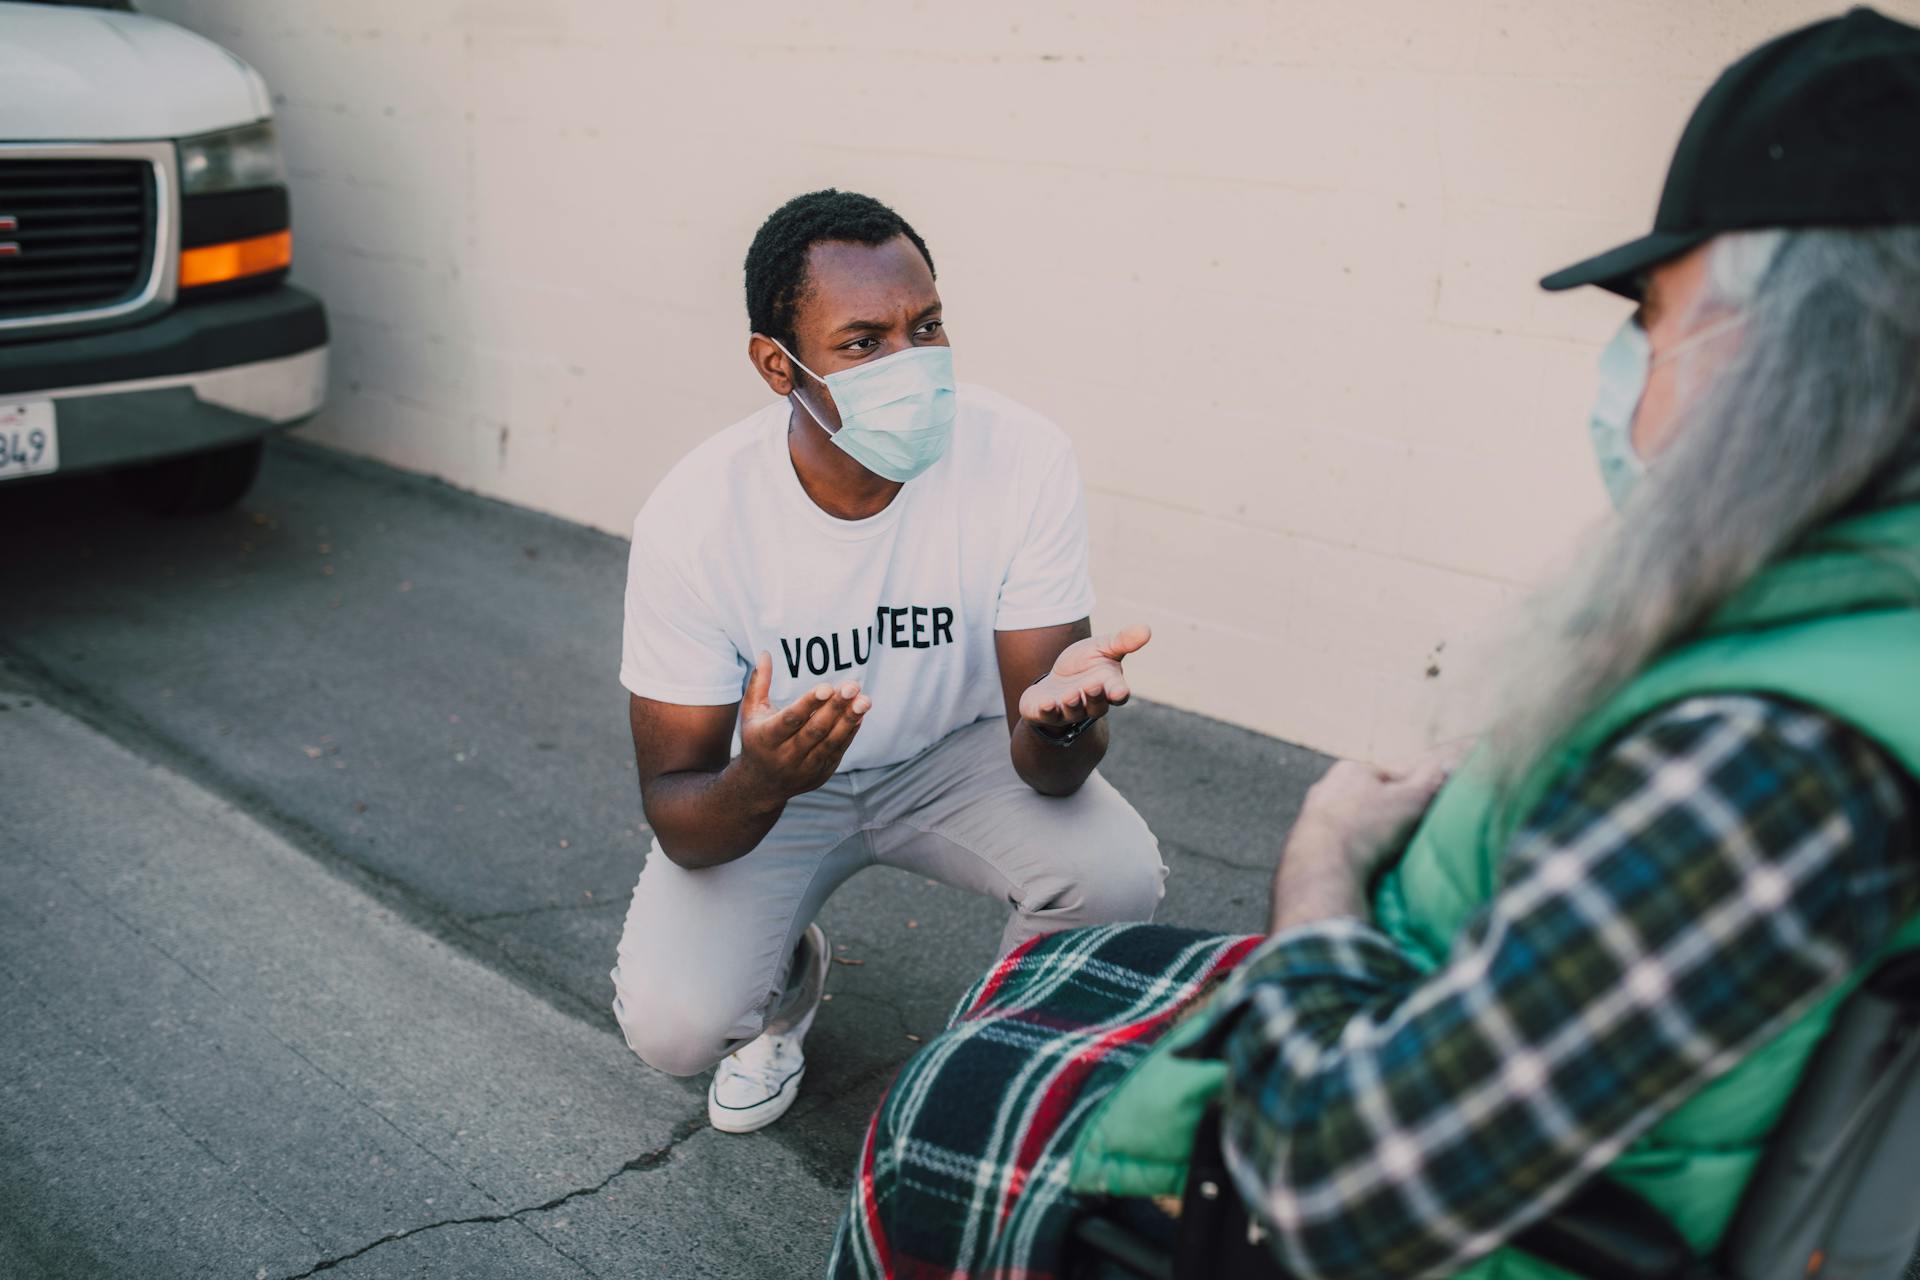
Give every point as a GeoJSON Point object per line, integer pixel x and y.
{"type": "Point", "coordinates": [195, 484]}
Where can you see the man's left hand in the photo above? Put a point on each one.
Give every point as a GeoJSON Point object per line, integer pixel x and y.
{"type": "Point", "coordinates": [1086, 680]}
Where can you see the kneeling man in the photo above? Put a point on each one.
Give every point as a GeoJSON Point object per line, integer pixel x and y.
{"type": "Point", "coordinates": [836, 611]}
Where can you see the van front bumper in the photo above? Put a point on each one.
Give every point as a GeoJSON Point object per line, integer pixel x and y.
{"type": "Point", "coordinates": [201, 376]}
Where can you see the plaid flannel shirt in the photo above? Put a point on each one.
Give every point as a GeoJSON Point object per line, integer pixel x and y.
{"type": "Point", "coordinates": [1696, 887]}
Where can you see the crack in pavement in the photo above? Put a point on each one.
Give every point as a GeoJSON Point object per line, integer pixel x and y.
{"type": "Point", "coordinates": [1218, 860]}
{"type": "Point", "coordinates": [232, 1169]}
{"type": "Point", "coordinates": [639, 1164]}
{"type": "Point", "coordinates": [516, 913]}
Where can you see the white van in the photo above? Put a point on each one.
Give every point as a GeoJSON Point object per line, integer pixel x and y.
{"type": "Point", "coordinates": [146, 323]}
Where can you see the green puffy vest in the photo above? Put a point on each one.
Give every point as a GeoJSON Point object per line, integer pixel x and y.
{"type": "Point", "coordinates": [1835, 626]}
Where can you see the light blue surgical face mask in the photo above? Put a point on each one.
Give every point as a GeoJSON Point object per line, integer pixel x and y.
{"type": "Point", "coordinates": [896, 413]}
{"type": "Point", "coordinates": [1624, 366]}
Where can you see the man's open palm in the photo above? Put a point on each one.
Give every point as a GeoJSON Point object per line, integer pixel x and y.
{"type": "Point", "coordinates": [798, 747]}
{"type": "Point", "coordinates": [1086, 679]}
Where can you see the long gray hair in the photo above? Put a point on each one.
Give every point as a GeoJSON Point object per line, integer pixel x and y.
{"type": "Point", "coordinates": [1813, 415]}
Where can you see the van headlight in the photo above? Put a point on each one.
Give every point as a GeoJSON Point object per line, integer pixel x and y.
{"type": "Point", "coordinates": [231, 160]}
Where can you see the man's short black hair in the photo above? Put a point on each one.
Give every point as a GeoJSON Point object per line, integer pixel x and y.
{"type": "Point", "coordinates": [777, 259]}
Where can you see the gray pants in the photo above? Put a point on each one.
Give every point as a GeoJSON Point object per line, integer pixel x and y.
{"type": "Point", "coordinates": [705, 954]}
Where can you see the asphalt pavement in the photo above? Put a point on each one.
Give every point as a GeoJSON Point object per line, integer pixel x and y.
{"type": "Point", "coordinates": [318, 826]}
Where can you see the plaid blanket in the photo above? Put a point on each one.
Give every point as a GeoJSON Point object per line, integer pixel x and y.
{"type": "Point", "coordinates": [964, 1168]}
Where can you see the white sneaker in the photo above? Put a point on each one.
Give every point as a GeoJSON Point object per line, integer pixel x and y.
{"type": "Point", "coordinates": [756, 1083]}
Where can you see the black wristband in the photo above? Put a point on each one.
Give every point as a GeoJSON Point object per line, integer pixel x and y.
{"type": "Point", "coordinates": [1065, 737]}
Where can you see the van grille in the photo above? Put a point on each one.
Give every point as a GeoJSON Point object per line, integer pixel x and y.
{"type": "Point", "coordinates": [74, 234]}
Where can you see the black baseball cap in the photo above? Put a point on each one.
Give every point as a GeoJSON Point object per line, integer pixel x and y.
{"type": "Point", "coordinates": [1817, 128]}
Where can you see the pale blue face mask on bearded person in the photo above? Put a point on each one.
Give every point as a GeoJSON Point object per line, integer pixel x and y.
{"type": "Point", "coordinates": [896, 413]}
{"type": "Point", "coordinates": [1625, 365]}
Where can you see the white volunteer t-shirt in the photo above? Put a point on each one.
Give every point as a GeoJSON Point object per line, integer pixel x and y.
{"type": "Point", "coordinates": [730, 557]}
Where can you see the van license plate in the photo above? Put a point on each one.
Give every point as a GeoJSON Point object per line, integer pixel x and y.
{"type": "Point", "coordinates": [29, 443]}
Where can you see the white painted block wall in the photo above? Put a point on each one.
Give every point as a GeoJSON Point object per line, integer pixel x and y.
{"type": "Point", "coordinates": [1271, 264]}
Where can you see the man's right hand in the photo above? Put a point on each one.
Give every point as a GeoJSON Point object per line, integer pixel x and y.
{"type": "Point", "coordinates": [788, 750]}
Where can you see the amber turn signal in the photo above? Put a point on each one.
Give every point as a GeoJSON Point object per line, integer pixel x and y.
{"type": "Point", "coordinates": [213, 263]}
